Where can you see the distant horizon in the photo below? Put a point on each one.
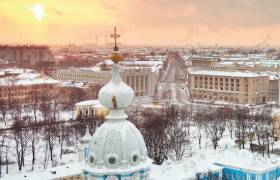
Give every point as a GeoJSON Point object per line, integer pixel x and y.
{"type": "Point", "coordinates": [145, 45]}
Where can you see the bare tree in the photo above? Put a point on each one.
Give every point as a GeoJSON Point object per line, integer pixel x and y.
{"type": "Point", "coordinates": [35, 101]}
{"type": "Point", "coordinates": [186, 115]}
{"type": "Point", "coordinates": [198, 120]}
{"type": "Point", "coordinates": [50, 126]}
{"type": "Point", "coordinates": [214, 125]}
{"type": "Point", "coordinates": [2, 150]}
{"type": "Point", "coordinates": [34, 140]}
{"type": "Point", "coordinates": [153, 130]}
{"type": "Point", "coordinates": [75, 95]}
{"type": "Point", "coordinates": [63, 133]}
{"type": "Point", "coordinates": [265, 130]}
{"type": "Point", "coordinates": [242, 119]}
{"type": "Point", "coordinates": [4, 110]}
{"type": "Point", "coordinates": [177, 130]}
{"type": "Point", "coordinates": [21, 137]}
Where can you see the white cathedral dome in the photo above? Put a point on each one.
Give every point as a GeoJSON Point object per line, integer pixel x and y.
{"type": "Point", "coordinates": [117, 145]}
{"type": "Point", "coordinates": [117, 149]}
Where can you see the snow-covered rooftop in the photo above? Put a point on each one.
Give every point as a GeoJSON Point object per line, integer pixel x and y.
{"type": "Point", "coordinates": [204, 161]}
{"type": "Point", "coordinates": [49, 174]}
{"type": "Point", "coordinates": [226, 73]}
{"type": "Point", "coordinates": [94, 103]}
{"type": "Point", "coordinates": [73, 84]}
{"type": "Point", "coordinates": [24, 77]}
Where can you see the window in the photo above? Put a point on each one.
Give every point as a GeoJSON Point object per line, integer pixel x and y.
{"type": "Point", "coordinates": [112, 178]}
{"type": "Point", "coordinates": [135, 158]}
{"type": "Point", "coordinates": [91, 159]}
{"type": "Point", "coordinates": [112, 160]}
{"type": "Point", "coordinates": [137, 176]}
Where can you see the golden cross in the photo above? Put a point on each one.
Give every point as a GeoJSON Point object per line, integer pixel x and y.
{"type": "Point", "coordinates": [115, 36]}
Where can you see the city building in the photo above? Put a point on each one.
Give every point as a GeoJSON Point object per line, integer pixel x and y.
{"type": "Point", "coordinates": [90, 108]}
{"type": "Point", "coordinates": [71, 92]}
{"type": "Point", "coordinates": [142, 79]}
{"type": "Point", "coordinates": [23, 85]}
{"type": "Point", "coordinates": [25, 54]}
{"type": "Point", "coordinates": [232, 87]}
{"type": "Point", "coordinates": [233, 63]}
{"type": "Point", "coordinates": [203, 61]}
{"type": "Point", "coordinates": [273, 89]}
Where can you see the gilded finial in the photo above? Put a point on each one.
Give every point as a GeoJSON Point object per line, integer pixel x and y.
{"type": "Point", "coordinates": [116, 57]}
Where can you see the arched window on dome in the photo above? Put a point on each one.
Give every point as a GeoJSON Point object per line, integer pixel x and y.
{"type": "Point", "coordinates": [85, 153]}
{"type": "Point", "coordinates": [92, 177]}
{"type": "Point", "coordinates": [112, 178]}
{"type": "Point", "coordinates": [136, 176]}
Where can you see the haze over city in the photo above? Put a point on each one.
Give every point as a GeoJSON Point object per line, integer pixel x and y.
{"type": "Point", "coordinates": [145, 22]}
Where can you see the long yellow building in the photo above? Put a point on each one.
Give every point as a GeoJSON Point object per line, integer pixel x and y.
{"type": "Point", "coordinates": [231, 87]}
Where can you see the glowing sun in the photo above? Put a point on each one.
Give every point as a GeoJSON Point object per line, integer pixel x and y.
{"type": "Point", "coordinates": [38, 11]}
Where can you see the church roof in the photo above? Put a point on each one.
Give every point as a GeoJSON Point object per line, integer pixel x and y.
{"type": "Point", "coordinates": [117, 145]}
{"type": "Point", "coordinates": [87, 136]}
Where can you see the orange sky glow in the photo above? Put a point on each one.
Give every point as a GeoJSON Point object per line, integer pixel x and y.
{"type": "Point", "coordinates": [143, 22]}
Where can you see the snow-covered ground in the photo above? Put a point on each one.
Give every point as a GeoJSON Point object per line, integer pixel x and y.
{"type": "Point", "coordinates": [195, 160]}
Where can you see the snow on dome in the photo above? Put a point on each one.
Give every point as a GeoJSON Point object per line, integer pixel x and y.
{"type": "Point", "coordinates": [87, 136]}
{"type": "Point", "coordinates": [117, 144]}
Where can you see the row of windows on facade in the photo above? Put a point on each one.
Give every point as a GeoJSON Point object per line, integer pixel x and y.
{"type": "Point", "coordinates": [78, 77]}
{"type": "Point", "coordinates": [15, 94]}
{"type": "Point", "coordinates": [222, 79]}
{"type": "Point", "coordinates": [26, 87]}
{"type": "Point", "coordinates": [225, 98]}
{"type": "Point", "coordinates": [216, 79]}
{"type": "Point", "coordinates": [200, 85]}
{"type": "Point", "coordinates": [18, 94]}
{"type": "Point", "coordinates": [129, 80]}
{"type": "Point", "coordinates": [229, 98]}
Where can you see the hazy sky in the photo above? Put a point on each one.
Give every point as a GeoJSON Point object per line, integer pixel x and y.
{"type": "Point", "coordinates": [154, 22]}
